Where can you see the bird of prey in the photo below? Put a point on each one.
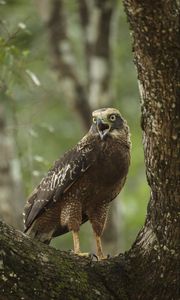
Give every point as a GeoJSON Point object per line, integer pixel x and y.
{"type": "Point", "coordinates": [82, 183]}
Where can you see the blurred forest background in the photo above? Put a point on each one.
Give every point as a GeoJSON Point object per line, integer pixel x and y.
{"type": "Point", "coordinates": [40, 116]}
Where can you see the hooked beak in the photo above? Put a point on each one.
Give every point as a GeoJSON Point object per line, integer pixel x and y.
{"type": "Point", "coordinates": [103, 128]}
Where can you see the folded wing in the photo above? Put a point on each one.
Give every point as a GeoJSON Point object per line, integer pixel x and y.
{"type": "Point", "coordinates": [65, 172]}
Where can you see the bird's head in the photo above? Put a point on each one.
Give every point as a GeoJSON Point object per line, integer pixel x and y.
{"type": "Point", "coordinates": [107, 122]}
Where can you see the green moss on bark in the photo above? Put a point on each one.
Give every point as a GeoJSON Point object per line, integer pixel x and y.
{"type": "Point", "coordinates": [32, 270]}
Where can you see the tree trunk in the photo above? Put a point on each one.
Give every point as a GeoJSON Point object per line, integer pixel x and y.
{"type": "Point", "coordinates": [155, 28]}
{"type": "Point", "coordinates": [149, 270]}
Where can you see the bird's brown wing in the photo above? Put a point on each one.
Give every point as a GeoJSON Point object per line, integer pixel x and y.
{"type": "Point", "coordinates": [59, 179]}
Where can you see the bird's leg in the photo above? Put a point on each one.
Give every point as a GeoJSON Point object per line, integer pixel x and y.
{"type": "Point", "coordinates": [100, 254]}
{"type": "Point", "coordinates": [97, 218]}
{"type": "Point", "coordinates": [76, 242]}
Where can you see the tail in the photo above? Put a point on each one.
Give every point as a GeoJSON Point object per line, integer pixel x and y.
{"type": "Point", "coordinates": [39, 234]}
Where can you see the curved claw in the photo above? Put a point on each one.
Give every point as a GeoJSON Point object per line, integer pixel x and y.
{"type": "Point", "coordinates": [92, 256]}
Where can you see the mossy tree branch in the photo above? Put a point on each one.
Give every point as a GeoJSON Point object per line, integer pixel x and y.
{"type": "Point", "coordinates": [32, 270]}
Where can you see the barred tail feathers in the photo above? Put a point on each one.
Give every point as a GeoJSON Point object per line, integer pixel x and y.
{"type": "Point", "coordinates": [37, 233]}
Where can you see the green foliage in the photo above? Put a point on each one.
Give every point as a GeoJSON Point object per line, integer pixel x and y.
{"type": "Point", "coordinates": [40, 118]}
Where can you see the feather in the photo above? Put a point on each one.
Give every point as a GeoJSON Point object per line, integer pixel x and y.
{"type": "Point", "coordinates": [65, 172]}
{"type": "Point", "coordinates": [81, 184]}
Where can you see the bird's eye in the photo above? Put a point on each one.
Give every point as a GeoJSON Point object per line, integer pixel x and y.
{"type": "Point", "coordinates": [112, 118]}
{"type": "Point", "coordinates": [94, 120]}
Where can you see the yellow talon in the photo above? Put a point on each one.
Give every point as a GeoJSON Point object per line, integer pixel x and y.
{"type": "Point", "coordinates": [85, 254]}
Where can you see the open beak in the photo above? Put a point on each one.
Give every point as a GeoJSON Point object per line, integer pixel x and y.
{"type": "Point", "coordinates": [103, 128]}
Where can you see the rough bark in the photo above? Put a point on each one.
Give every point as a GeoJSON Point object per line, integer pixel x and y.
{"type": "Point", "coordinates": [155, 30]}
{"type": "Point", "coordinates": [149, 270]}
{"type": "Point", "coordinates": [31, 270]}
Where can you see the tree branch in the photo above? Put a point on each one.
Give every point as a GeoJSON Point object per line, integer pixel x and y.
{"type": "Point", "coordinates": [96, 20]}
{"type": "Point", "coordinates": [85, 11]}
{"type": "Point", "coordinates": [32, 270]}
{"type": "Point", "coordinates": [64, 61]}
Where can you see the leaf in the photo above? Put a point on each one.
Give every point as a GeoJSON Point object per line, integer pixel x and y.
{"type": "Point", "coordinates": [21, 25]}
{"type": "Point", "coordinates": [33, 77]}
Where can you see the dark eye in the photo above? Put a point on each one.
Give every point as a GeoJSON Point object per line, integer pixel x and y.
{"type": "Point", "coordinates": [112, 118]}
{"type": "Point", "coordinates": [94, 120]}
